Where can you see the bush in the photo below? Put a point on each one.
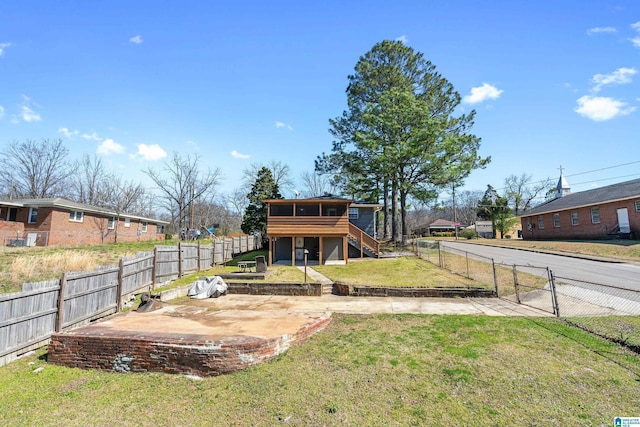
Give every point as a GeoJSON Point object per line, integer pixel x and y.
{"type": "Point", "coordinates": [468, 233]}
{"type": "Point", "coordinates": [168, 236]}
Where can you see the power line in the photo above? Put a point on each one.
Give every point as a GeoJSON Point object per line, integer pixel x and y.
{"type": "Point", "coordinates": [602, 169]}
{"type": "Point", "coordinates": [587, 172]}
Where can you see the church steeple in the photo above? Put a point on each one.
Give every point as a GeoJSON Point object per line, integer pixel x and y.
{"type": "Point", "coordinates": [562, 189]}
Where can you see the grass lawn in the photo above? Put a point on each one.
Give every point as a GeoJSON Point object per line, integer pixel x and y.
{"type": "Point", "coordinates": [361, 370]}
{"type": "Point", "coordinates": [395, 272]}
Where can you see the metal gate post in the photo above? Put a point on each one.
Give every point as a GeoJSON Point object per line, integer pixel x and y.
{"type": "Point", "coordinates": [554, 295]}
{"type": "Point", "coordinates": [495, 276]}
{"type": "Point", "coordinates": [516, 284]}
{"type": "Point", "coordinates": [466, 254]}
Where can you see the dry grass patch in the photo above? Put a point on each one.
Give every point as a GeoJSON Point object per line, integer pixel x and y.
{"type": "Point", "coordinates": [627, 250]}
{"type": "Point", "coordinates": [22, 265]}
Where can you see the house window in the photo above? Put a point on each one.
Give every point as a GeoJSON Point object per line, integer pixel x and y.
{"type": "Point", "coordinates": [556, 220]}
{"type": "Point", "coordinates": [33, 215]}
{"type": "Point", "coordinates": [143, 226]}
{"type": "Point", "coordinates": [595, 215]}
{"type": "Point", "coordinates": [637, 205]}
{"type": "Point", "coordinates": [160, 229]}
{"type": "Point", "coordinates": [12, 214]}
{"type": "Point", "coordinates": [353, 213]}
{"type": "Point", "coordinates": [112, 223]}
{"type": "Point", "coordinates": [574, 218]}
{"type": "Point", "coordinates": [127, 222]}
{"type": "Point", "coordinates": [76, 216]}
{"type": "Point", "coordinates": [540, 222]}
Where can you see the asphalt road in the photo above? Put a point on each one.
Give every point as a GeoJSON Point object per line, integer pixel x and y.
{"type": "Point", "coordinates": [623, 275]}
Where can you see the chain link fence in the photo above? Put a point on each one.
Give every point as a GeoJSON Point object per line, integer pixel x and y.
{"type": "Point", "coordinates": [606, 310]}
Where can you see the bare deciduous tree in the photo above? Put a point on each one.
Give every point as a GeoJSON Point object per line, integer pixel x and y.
{"type": "Point", "coordinates": [181, 183]}
{"type": "Point", "coordinates": [315, 184]}
{"type": "Point", "coordinates": [520, 191]}
{"type": "Point", "coordinates": [280, 171]}
{"type": "Point", "coordinates": [36, 169]}
{"type": "Point", "coordinates": [89, 181]}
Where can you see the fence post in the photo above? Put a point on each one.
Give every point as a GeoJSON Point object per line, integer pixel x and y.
{"type": "Point", "coordinates": [119, 289]}
{"type": "Point", "coordinates": [199, 257]}
{"type": "Point", "coordinates": [516, 285]}
{"type": "Point", "coordinates": [213, 252]}
{"type": "Point", "coordinates": [495, 276]}
{"type": "Point", "coordinates": [63, 287]}
{"type": "Point", "coordinates": [154, 270]}
{"type": "Point", "coordinates": [466, 254]}
{"type": "Point", "coordinates": [554, 295]}
{"type": "Point", "coordinates": [179, 260]}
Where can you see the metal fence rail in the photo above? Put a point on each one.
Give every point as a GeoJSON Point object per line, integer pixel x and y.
{"type": "Point", "coordinates": [29, 318]}
{"type": "Point", "coordinates": [610, 311]}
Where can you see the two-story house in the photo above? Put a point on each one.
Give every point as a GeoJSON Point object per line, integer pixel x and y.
{"type": "Point", "coordinates": [330, 230]}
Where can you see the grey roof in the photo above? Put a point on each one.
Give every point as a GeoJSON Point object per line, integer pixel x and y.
{"type": "Point", "coordinates": [610, 193]}
{"type": "Point", "coordinates": [59, 202]}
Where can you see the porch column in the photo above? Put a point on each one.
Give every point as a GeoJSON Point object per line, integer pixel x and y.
{"type": "Point", "coordinates": [293, 251]}
{"type": "Point", "coordinates": [321, 249]}
{"type": "Point", "coordinates": [345, 249]}
{"type": "Point", "coordinates": [271, 243]}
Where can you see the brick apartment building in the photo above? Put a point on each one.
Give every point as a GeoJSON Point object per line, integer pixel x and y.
{"type": "Point", "coordinates": [57, 221]}
{"type": "Point", "coordinates": [607, 212]}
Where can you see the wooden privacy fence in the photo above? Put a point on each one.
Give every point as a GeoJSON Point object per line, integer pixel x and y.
{"type": "Point", "coordinates": [29, 318]}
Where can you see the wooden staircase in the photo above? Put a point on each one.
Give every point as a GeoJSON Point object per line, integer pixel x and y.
{"type": "Point", "coordinates": [364, 242]}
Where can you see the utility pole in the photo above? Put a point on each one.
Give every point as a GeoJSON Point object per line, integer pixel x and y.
{"type": "Point", "coordinates": [455, 214]}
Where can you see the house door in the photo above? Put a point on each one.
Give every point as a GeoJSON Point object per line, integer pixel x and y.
{"type": "Point", "coordinates": [623, 220]}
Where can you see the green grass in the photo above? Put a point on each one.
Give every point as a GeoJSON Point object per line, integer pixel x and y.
{"type": "Point", "coordinates": [362, 370]}
{"type": "Point", "coordinates": [624, 329]}
{"type": "Point", "coordinates": [397, 272]}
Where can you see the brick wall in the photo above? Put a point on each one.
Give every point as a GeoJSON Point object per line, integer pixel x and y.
{"type": "Point", "coordinates": [177, 355]}
{"type": "Point", "coordinates": [11, 227]}
{"type": "Point", "coordinates": [93, 229]}
{"type": "Point", "coordinates": [292, 289]}
{"type": "Point", "coordinates": [368, 291]}
{"type": "Point", "coordinates": [585, 228]}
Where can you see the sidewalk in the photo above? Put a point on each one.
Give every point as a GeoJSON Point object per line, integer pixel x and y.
{"type": "Point", "coordinates": [369, 305]}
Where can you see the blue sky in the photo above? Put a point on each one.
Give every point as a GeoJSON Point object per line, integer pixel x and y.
{"type": "Point", "coordinates": [553, 82]}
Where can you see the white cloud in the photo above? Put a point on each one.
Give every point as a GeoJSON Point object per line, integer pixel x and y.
{"type": "Point", "coordinates": [91, 137]}
{"type": "Point", "coordinates": [151, 152]}
{"type": "Point", "coordinates": [3, 46]}
{"type": "Point", "coordinates": [1, 111]}
{"type": "Point", "coordinates": [404, 39]}
{"type": "Point", "coordinates": [137, 39]}
{"type": "Point", "coordinates": [237, 155]}
{"type": "Point", "coordinates": [109, 146]}
{"type": "Point", "coordinates": [635, 41]}
{"type": "Point", "coordinates": [68, 133]}
{"type": "Point", "coordinates": [26, 112]}
{"type": "Point", "coordinates": [597, 30]}
{"type": "Point", "coordinates": [28, 115]}
{"type": "Point", "coordinates": [636, 26]}
{"type": "Point", "coordinates": [620, 76]}
{"type": "Point", "coordinates": [599, 108]}
{"type": "Point", "coordinates": [482, 93]}
{"type": "Point", "coordinates": [282, 125]}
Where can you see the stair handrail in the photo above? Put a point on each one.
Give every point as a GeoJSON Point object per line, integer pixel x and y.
{"type": "Point", "coordinates": [364, 238]}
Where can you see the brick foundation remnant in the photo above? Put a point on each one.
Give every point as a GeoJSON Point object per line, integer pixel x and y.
{"type": "Point", "coordinates": [184, 341]}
